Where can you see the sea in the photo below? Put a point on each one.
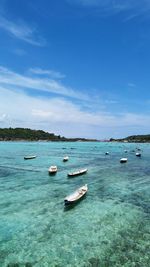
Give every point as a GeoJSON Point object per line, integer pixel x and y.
{"type": "Point", "coordinates": [110, 227]}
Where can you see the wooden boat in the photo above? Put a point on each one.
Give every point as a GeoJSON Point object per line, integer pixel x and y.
{"type": "Point", "coordinates": [52, 169]}
{"type": "Point", "coordinates": [138, 154]}
{"type": "Point", "coordinates": [76, 196]}
{"type": "Point", "coordinates": [76, 173]}
{"type": "Point", "coordinates": [123, 160]}
{"type": "Point", "coordinates": [30, 157]}
{"type": "Point", "coordinates": [66, 158]}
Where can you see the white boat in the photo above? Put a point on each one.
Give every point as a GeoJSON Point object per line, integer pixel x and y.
{"type": "Point", "coordinates": [123, 160]}
{"type": "Point", "coordinates": [52, 169]}
{"type": "Point", "coordinates": [76, 173]}
{"type": "Point", "coordinates": [76, 196]}
{"type": "Point", "coordinates": [66, 158]}
{"type": "Point", "coordinates": [30, 157]}
{"type": "Point", "coordinates": [138, 154]}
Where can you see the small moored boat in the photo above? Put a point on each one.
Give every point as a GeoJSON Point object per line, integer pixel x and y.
{"type": "Point", "coordinates": [30, 157]}
{"type": "Point", "coordinates": [138, 154]}
{"type": "Point", "coordinates": [76, 196]}
{"type": "Point", "coordinates": [76, 173]}
{"type": "Point", "coordinates": [52, 169]}
{"type": "Point", "coordinates": [66, 158]}
{"type": "Point", "coordinates": [123, 160]}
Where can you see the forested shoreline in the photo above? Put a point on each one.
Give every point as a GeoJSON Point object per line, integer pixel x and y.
{"type": "Point", "coordinates": [133, 139]}
{"type": "Point", "coordinates": [26, 134]}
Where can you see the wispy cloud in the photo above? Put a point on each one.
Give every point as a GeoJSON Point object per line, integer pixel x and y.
{"type": "Point", "coordinates": [21, 31]}
{"type": "Point", "coordinates": [116, 6]}
{"type": "Point", "coordinates": [3, 117]}
{"type": "Point", "coordinates": [122, 5]}
{"type": "Point", "coordinates": [50, 73]}
{"type": "Point", "coordinates": [61, 112]}
{"type": "Point", "coordinates": [62, 116]}
{"type": "Point", "coordinates": [43, 84]}
{"type": "Point", "coordinates": [131, 84]}
{"type": "Point", "coordinates": [132, 16]}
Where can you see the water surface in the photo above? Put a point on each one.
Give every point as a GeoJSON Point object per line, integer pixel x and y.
{"type": "Point", "coordinates": [110, 227]}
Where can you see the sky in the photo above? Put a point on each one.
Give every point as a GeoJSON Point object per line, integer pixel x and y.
{"type": "Point", "coordinates": [78, 68]}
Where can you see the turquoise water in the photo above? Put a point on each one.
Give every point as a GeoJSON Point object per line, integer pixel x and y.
{"type": "Point", "coordinates": [110, 227]}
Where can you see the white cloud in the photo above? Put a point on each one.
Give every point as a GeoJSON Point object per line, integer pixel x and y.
{"type": "Point", "coordinates": [60, 114]}
{"type": "Point", "coordinates": [3, 117]}
{"type": "Point", "coordinates": [21, 31]}
{"type": "Point", "coordinates": [64, 117]}
{"type": "Point", "coordinates": [42, 113]}
{"type": "Point", "coordinates": [45, 84]}
{"type": "Point", "coordinates": [116, 6]}
{"type": "Point", "coordinates": [51, 73]}
{"type": "Point", "coordinates": [112, 3]}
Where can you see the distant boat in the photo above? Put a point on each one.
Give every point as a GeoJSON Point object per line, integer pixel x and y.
{"type": "Point", "coordinates": [66, 158]}
{"type": "Point", "coordinates": [76, 196]}
{"type": "Point", "coordinates": [138, 154]}
{"type": "Point", "coordinates": [107, 153]}
{"type": "Point", "coordinates": [123, 160]}
{"type": "Point", "coordinates": [30, 157]}
{"type": "Point", "coordinates": [76, 173]}
{"type": "Point", "coordinates": [52, 169]}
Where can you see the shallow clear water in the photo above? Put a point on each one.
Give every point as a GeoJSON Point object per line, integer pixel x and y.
{"type": "Point", "coordinates": [110, 227]}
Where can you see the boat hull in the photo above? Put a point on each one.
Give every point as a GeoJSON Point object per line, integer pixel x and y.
{"type": "Point", "coordinates": [52, 170]}
{"type": "Point", "coordinates": [76, 196]}
{"type": "Point", "coordinates": [32, 157]}
{"type": "Point", "coordinates": [77, 173]}
{"type": "Point", "coordinates": [123, 160]}
{"type": "Point", "coordinates": [73, 203]}
{"type": "Point", "coordinates": [138, 154]}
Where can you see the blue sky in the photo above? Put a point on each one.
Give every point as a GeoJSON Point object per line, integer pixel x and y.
{"type": "Point", "coordinates": [79, 68]}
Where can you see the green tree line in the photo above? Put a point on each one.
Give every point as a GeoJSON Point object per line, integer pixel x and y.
{"type": "Point", "coordinates": [12, 134]}
{"type": "Point", "coordinates": [134, 139]}
{"type": "Point", "coordinates": [27, 134]}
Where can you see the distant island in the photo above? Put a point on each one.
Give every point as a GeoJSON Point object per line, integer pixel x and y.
{"type": "Point", "coordinates": [133, 139]}
{"type": "Point", "coordinates": [26, 134]}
